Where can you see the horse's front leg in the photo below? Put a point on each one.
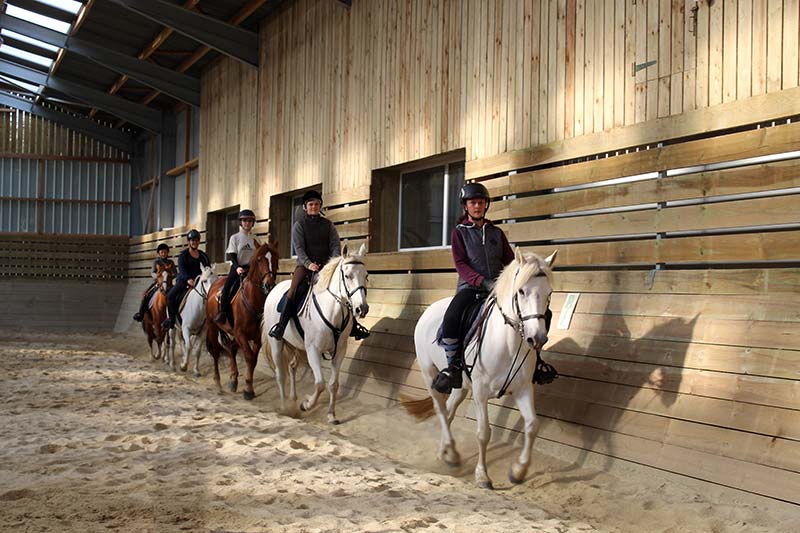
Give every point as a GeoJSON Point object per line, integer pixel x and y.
{"type": "Point", "coordinates": [197, 346]}
{"type": "Point", "coordinates": [214, 348]}
{"type": "Point", "coordinates": [279, 363]}
{"type": "Point", "coordinates": [484, 434]}
{"type": "Point", "coordinates": [293, 379]}
{"type": "Point", "coordinates": [251, 359]}
{"type": "Point", "coordinates": [333, 380]}
{"type": "Point", "coordinates": [524, 401]}
{"type": "Point", "coordinates": [186, 335]}
{"type": "Point", "coordinates": [447, 446]}
{"type": "Point", "coordinates": [315, 362]}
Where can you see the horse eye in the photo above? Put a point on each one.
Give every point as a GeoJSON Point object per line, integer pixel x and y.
{"type": "Point", "coordinates": [521, 292]}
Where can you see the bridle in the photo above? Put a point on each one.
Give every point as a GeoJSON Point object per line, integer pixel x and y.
{"type": "Point", "coordinates": [345, 303]}
{"type": "Point", "coordinates": [518, 324]}
{"type": "Point", "coordinates": [265, 289]}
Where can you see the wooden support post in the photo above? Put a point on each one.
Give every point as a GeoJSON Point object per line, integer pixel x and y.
{"type": "Point", "coordinates": [40, 197]}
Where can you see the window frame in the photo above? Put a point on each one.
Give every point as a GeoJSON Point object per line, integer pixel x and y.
{"type": "Point", "coordinates": [445, 208]}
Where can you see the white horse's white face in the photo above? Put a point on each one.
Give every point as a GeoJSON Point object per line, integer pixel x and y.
{"type": "Point", "coordinates": [354, 273]}
{"type": "Point", "coordinates": [208, 273]}
{"type": "Point", "coordinates": [532, 301]}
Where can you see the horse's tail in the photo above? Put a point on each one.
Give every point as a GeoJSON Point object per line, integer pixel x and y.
{"type": "Point", "coordinates": [420, 409]}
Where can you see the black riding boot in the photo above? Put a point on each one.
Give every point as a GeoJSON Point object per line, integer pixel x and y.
{"type": "Point", "coordinates": [277, 330]}
{"type": "Point", "coordinates": [224, 307]}
{"type": "Point", "coordinates": [451, 377]}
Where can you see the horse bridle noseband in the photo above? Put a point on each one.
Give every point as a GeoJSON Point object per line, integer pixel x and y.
{"type": "Point", "coordinates": [519, 323]}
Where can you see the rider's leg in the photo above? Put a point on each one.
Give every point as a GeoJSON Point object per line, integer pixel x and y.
{"type": "Point", "coordinates": [225, 298]}
{"type": "Point", "coordinates": [451, 377]}
{"type": "Point", "coordinates": [143, 305]}
{"type": "Point", "coordinates": [173, 302]}
{"type": "Point", "coordinates": [277, 330]}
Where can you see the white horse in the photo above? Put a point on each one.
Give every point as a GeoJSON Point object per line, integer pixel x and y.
{"type": "Point", "coordinates": [338, 295]}
{"type": "Point", "coordinates": [193, 320]}
{"type": "Point", "coordinates": [501, 362]}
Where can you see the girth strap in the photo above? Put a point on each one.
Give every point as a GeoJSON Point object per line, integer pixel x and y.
{"type": "Point", "coordinates": [337, 332]}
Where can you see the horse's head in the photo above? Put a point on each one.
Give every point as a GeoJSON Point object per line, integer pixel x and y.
{"type": "Point", "coordinates": [165, 275]}
{"type": "Point", "coordinates": [208, 274]}
{"type": "Point", "coordinates": [354, 280]}
{"type": "Point", "coordinates": [523, 292]}
{"type": "Point", "coordinates": [264, 266]}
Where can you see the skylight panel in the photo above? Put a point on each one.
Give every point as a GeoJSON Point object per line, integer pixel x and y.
{"type": "Point", "coordinates": [27, 56]}
{"type": "Point", "coordinates": [29, 40]}
{"type": "Point", "coordinates": [36, 18]}
{"type": "Point", "coordinates": [25, 85]}
{"type": "Point", "coordinates": [70, 6]}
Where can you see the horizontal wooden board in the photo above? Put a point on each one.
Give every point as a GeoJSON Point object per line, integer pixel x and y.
{"type": "Point", "coordinates": [352, 212]}
{"type": "Point", "coordinates": [731, 215]}
{"type": "Point", "coordinates": [754, 178]}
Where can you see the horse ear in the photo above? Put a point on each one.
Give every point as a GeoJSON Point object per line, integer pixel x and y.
{"type": "Point", "coordinates": [362, 250]}
{"type": "Point", "coordinates": [551, 259]}
{"type": "Point", "coordinates": [344, 250]}
{"type": "Point", "coordinates": [518, 255]}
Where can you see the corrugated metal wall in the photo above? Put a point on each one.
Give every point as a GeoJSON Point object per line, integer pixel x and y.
{"type": "Point", "coordinates": [65, 196]}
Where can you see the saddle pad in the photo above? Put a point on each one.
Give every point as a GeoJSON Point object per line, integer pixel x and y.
{"type": "Point", "coordinates": [300, 295]}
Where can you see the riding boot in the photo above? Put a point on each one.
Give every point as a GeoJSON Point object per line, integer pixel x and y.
{"type": "Point", "coordinates": [451, 377]}
{"type": "Point", "coordinates": [224, 307]}
{"type": "Point", "coordinates": [277, 330]}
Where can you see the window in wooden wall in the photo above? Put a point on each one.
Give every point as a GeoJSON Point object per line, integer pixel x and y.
{"type": "Point", "coordinates": [220, 225]}
{"type": "Point", "coordinates": [415, 205]}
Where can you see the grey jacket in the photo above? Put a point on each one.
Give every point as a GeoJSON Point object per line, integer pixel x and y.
{"type": "Point", "coordinates": [315, 240]}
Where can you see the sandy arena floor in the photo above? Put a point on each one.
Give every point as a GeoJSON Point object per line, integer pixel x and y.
{"type": "Point", "coordinates": [95, 436]}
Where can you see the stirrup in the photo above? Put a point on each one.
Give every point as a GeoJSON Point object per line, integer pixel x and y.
{"type": "Point", "coordinates": [545, 373]}
{"type": "Point", "coordinates": [276, 331]}
{"type": "Point", "coordinates": [359, 332]}
{"type": "Point", "coordinates": [138, 317]}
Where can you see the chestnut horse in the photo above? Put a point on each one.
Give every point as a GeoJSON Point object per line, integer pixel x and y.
{"type": "Point", "coordinates": [151, 322]}
{"type": "Point", "coordinates": [246, 309]}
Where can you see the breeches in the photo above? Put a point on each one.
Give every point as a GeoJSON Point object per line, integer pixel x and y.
{"type": "Point", "coordinates": [451, 325]}
{"type": "Point", "coordinates": [300, 273]}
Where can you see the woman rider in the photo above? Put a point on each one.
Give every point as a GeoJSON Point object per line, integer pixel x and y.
{"type": "Point", "coordinates": [189, 262]}
{"type": "Point", "coordinates": [241, 248]}
{"type": "Point", "coordinates": [315, 241]}
{"type": "Point", "coordinates": [164, 261]}
{"type": "Point", "coordinates": [480, 251]}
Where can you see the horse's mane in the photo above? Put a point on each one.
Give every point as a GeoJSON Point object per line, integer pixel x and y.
{"type": "Point", "coordinates": [326, 274]}
{"type": "Point", "coordinates": [262, 250]}
{"type": "Point", "coordinates": [506, 284]}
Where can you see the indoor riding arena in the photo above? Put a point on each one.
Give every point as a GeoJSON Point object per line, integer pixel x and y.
{"type": "Point", "coordinates": [654, 145]}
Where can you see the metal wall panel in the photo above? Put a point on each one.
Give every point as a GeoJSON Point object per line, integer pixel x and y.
{"type": "Point", "coordinates": [75, 194]}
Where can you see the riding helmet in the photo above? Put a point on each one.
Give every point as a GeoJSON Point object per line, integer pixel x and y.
{"type": "Point", "coordinates": [474, 190]}
{"type": "Point", "coordinates": [246, 213]}
{"type": "Point", "coordinates": [312, 195]}
{"type": "Point", "coordinates": [162, 246]}
{"type": "Point", "coordinates": [193, 234]}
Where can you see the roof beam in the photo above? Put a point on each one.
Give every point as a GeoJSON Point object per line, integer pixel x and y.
{"type": "Point", "coordinates": [85, 126]}
{"type": "Point", "coordinates": [233, 41]}
{"type": "Point", "coordinates": [180, 86]}
{"type": "Point", "coordinates": [143, 116]}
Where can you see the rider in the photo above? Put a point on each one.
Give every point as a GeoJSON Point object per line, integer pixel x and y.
{"type": "Point", "coordinates": [189, 262]}
{"type": "Point", "coordinates": [241, 248]}
{"type": "Point", "coordinates": [164, 261]}
{"type": "Point", "coordinates": [480, 251]}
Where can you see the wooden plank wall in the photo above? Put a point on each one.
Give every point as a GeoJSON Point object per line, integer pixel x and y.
{"type": "Point", "coordinates": [344, 91]}
{"type": "Point", "coordinates": [228, 134]}
{"type": "Point", "coordinates": [85, 257]}
{"type": "Point", "coordinates": [683, 350]}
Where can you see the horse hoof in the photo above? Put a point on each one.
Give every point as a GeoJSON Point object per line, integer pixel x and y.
{"type": "Point", "coordinates": [197, 374]}
{"type": "Point", "coordinates": [183, 368]}
{"type": "Point", "coordinates": [335, 422]}
{"type": "Point", "coordinates": [303, 406]}
{"type": "Point", "coordinates": [248, 395]}
{"type": "Point", "coordinates": [514, 480]}
{"type": "Point", "coordinates": [233, 386]}
{"type": "Point", "coordinates": [486, 485]}
{"type": "Point", "coordinates": [452, 464]}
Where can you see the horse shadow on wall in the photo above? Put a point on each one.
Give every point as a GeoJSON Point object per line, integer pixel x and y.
{"type": "Point", "coordinates": [611, 388]}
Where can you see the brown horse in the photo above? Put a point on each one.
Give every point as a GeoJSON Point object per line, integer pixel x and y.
{"type": "Point", "coordinates": [151, 322]}
{"type": "Point", "coordinates": [246, 307]}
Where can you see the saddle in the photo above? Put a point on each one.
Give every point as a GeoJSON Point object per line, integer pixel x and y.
{"type": "Point", "coordinates": [469, 324]}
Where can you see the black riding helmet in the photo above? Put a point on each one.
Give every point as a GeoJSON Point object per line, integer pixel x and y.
{"type": "Point", "coordinates": [311, 195]}
{"type": "Point", "coordinates": [193, 234]}
{"type": "Point", "coordinates": [162, 246]}
{"type": "Point", "coordinates": [474, 190]}
{"type": "Point", "coordinates": [246, 213]}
